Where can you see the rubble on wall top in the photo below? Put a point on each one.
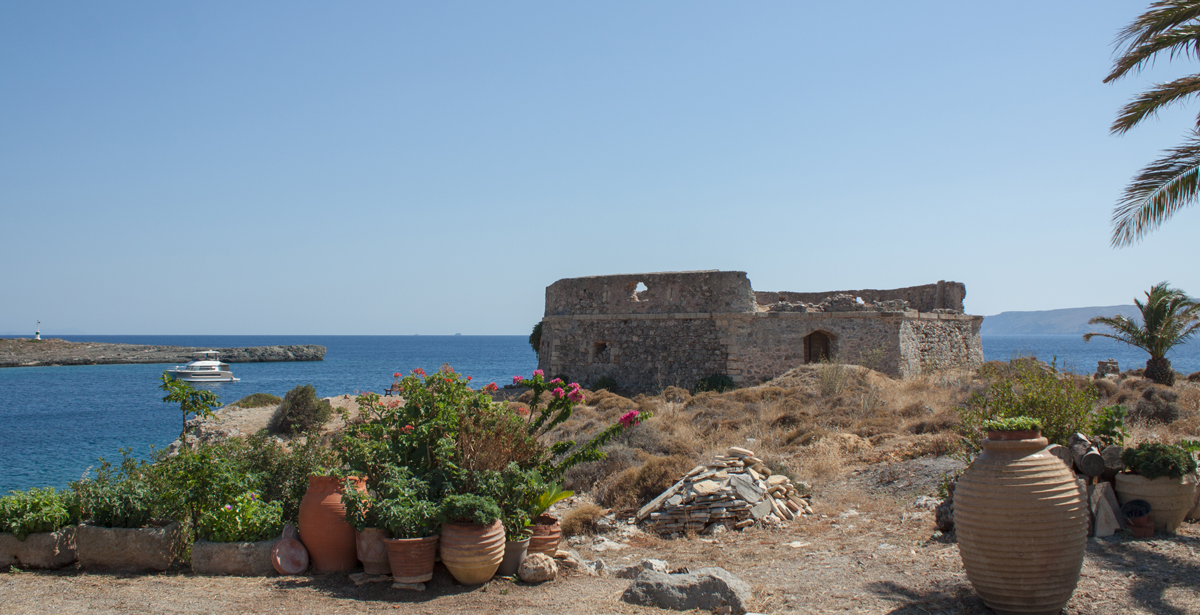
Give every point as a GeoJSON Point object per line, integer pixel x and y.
{"type": "Point", "coordinates": [844, 303]}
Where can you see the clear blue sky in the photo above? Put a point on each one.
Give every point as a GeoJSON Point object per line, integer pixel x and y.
{"type": "Point", "coordinates": [421, 167]}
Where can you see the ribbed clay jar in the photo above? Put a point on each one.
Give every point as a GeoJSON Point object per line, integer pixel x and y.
{"type": "Point", "coordinates": [1022, 525]}
{"type": "Point", "coordinates": [323, 528]}
{"type": "Point", "coordinates": [546, 535]}
{"type": "Point", "coordinates": [1171, 499]}
{"type": "Point", "coordinates": [411, 559]}
{"type": "Point", "coordinates": [472, 552]}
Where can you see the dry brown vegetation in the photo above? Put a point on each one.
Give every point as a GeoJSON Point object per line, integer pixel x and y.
{"type": "Point", "coordinates": [815, 422]}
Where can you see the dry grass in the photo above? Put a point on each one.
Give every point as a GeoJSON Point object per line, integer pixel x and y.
{"type": "Point", "coordinates": [581, 520]}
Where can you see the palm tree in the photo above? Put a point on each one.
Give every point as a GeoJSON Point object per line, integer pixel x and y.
{"type": "Point", "coordinates": [1169, 318]}
{"type": "Point", "coordinates": [1171, 28]}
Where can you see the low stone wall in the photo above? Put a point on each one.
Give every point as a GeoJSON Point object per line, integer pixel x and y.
{"type": "Point", "coordinates": [105, 548]}
{"type": "Point", "coordinates": [49, 550]}
{"type": "Point", "coordinates": [665, 293]}
{"type": "Point", "coordinates": [246, 559]}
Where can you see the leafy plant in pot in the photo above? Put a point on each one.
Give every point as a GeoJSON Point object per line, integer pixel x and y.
{"type": "Point", "coordinates": [396, 525]}
{"type": "Point", "coordinates": [1012, 428]}
{"type": "Point", "coordinates": [546, 531]}
{"type": "Point", "coordinates": [472, 544]}
{"type": "Point", "coordinates": [36, 528]}
{"type": "Point", "coordinates": [1161, 474]}
{"type": "Point", "coordinates": [237, 537]}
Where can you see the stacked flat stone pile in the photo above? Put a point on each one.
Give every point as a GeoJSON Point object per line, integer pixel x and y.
{"type": "Point", "coordinates": [736, 490]}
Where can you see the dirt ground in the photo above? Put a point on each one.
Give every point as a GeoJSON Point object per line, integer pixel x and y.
{"type": "Point", "coordinates": [867, 549]}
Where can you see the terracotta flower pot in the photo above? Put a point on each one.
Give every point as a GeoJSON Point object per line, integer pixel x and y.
{"type": "Point", "coordinates": [1170, 498]}
{"type": "Point", "coordinates": [1022, 525]}
{"type": "Point", "coordinates": [546, 535]}
{"type": "Point", "coordinates": [472, 552]}
{"type": "Point", "coordinates": [323, 528]}
{"type": "Point", "coordinates": [514, 554]}
{"type": "Point", "coordinates": [411, 559]}
{"type": "Point", "coordinates": [372, 552]}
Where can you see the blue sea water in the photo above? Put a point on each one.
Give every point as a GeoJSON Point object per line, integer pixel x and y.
{"type": "Point", "coordinates": [56, 421]}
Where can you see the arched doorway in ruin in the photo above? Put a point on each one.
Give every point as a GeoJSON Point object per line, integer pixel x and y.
{"type": "Point", "coordinates": [818, 346]}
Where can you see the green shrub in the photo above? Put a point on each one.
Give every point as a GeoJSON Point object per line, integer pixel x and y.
{"type": "Point", "coordinates": [1155, 460]}
{"type": "Point", "coordinates": [535, 338]}
{"type": "Point", "coordinates": [468, 509]}
{"type": "Point", "coordinates": [399, 505]}
{"type": "Point", "coordinates": [300, 411]}
{"type": "Point", "coordinates": [258, 400]}
{"type": "Point", "coordinates": [1109, 425]}
{"type": "Point", "coordinates": [247, 519]}
{"type": "Point", "coordinates": [717, 382]}
{"type": "Point", "coordinates": [1062, 407]}
{"type": "Point", "coordinates": [604, 383]}
{"type": "Point", "coordinates": [124, 496]}
{"type": "Point", "coordinates": [1013, 423]}
{"type": "Point", "coordinates": [37, 510]}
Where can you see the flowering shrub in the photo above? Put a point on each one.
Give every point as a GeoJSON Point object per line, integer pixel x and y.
{"type": "Point", "coordinates": [247, 519]}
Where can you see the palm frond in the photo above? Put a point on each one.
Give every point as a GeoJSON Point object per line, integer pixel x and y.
{"type": "Point", "coordinates": [1162, 16]}
{"type": "Point", "coordinates": [1157, 192]}
{"type": "Point", "coordinates": [1151, 101]}
{"type": "Point", "coordinates": [1182, 40]}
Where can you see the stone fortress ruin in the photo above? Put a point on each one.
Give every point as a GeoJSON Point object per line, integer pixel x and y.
{"type": "Point", "coordinates": [649, 331]}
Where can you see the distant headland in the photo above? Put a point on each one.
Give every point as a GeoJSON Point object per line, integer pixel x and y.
{"type": "Point", "coordinates": [24, 352]}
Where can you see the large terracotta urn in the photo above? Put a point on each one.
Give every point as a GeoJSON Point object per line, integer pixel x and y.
{"type": "Point", "coordinates": [546, 535]}
{"type": "Point", "coordinates": [372, 552]}
{"type": "Point", "coordinates": [323, 528]}
{"type": "Point", "coordinates": [472, 552]}
{"type": "Point", "coordinates": [1171, 499]}
{"type": "Point", "coordinates": [1022, 524]}
{"type": "Point", "coordinates": [411, 559]}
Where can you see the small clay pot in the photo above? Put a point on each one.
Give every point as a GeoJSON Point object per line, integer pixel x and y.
{"type": "Point", "coordinates": [514, 554]}
{"type": "Point", "coordinates": [371, 551]}
{"type": "Point", "coordinates": [411, 559]}
{"type": "Point", "coordinates": [472, 552]}
{"type": "Point", "coordinates": [546, 535]}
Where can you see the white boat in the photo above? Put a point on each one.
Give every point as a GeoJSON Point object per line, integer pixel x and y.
{"type": "Point", "coordinates": [204, 369]}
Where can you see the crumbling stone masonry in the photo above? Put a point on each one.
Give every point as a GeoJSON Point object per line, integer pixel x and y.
{"type": "Point", "coordinates": [650, 331]}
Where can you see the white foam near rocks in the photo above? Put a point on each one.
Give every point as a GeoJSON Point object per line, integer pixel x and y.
{"type": "Point", "coordinates": [736, 489]}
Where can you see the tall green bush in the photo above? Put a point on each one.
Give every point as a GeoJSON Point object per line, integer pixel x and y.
{"type": "Point", "coordinates": [1061, 406]}
{"type": "Point", "coordinates": [300, 412]}
{"type": "Point", "coordinates": [128, 495]}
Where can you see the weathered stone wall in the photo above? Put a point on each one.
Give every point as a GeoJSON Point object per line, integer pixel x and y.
{"type": "Point", "coordinates": [940, 341]}
{"type": "Point", "coordinates": [686, 326]}
{"type": "Point", "coordinates": [927, 298]}
{"type": "Point", "coordinates": [646, 353]}
{"type": "Point", "coordinates": [666, 293]}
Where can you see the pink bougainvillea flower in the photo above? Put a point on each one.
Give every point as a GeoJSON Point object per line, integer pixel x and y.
{"type": "Point", "coordinates": [558, 392]}
{"type": "Point", "coordinates": [538, 372]}
{"type": "Point", "coordinates": [517, 379]}
{"type": "Point", "coordinates": [228, 507]}
{"type": "Point", "coordinates": [629, 419]}
{"type": "Point", "coordinates": [575, 395]}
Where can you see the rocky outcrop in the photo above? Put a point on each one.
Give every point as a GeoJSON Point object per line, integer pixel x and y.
{"type": "Point", "coordinates": [36, 353]}
{"type": "Point", "coordinates": [707, 589]}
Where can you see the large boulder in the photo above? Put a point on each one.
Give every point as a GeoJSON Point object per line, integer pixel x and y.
{"type": "Point", "coordinates": [631, 572]}
{"type": "Point", "coordinates": [707, 589]}
{"type": "Point", "coordinates": [538, 568]}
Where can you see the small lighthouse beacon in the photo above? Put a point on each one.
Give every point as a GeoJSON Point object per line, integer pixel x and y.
{"type": "Point", "coordinates": [37, 335]}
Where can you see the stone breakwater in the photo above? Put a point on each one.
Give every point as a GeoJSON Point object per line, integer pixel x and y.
{"type": "Point", "coordinates": [36, 353]}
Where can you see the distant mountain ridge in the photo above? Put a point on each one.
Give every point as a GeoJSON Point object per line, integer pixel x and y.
{"type": "Point", "coordinates": [1053, 322]}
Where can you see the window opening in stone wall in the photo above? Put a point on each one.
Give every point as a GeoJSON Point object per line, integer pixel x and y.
{"type": "Point", "coordinates": [636, 291]}
{"type": "Point", "coordinates": [601, 353]}
{"type": "Point", "coordinates": [818, 347]}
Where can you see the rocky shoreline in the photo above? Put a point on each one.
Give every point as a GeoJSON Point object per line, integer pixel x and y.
{"type": "Point", "coordinates": [23, 352]}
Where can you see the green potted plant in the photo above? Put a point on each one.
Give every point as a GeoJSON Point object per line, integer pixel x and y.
{"type": "Point", "coordinates": [236, 538]}
{"type": "Point", "coordinates": [124, 525]}
{"type": "Point", "coordinates": [37, 528]}
{"type": "Point", "coordinates": [1012, 428]}
{"type": "Point", "coordinates": [472, 543]}
{"type": "Point", "coordinates": [1161, 474]}
{"type": "Point", "coordinates": [545, 529]}
{"type": "Point", "coordinates": [396, 525]}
